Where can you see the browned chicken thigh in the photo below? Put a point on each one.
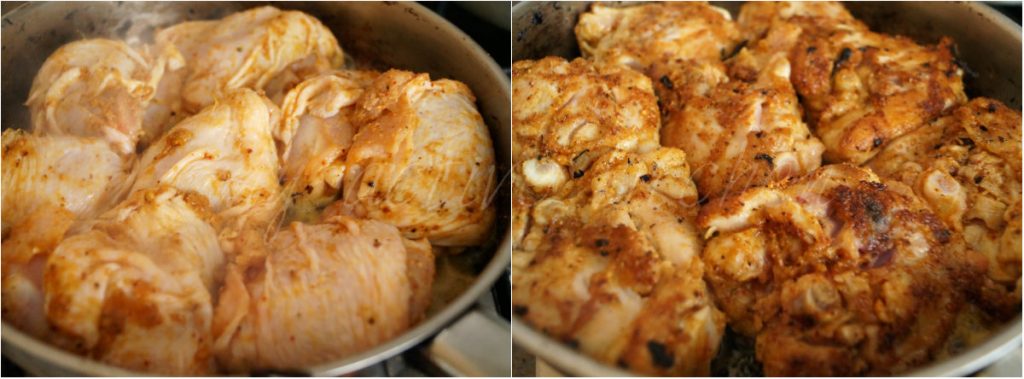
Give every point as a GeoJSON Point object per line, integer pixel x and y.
{"type": "Point", "coordinates": [611, 266]}
{"type": "Point", "coordinates": [638, 36]}
{"type": "Point", "coordinates": [563, 109]}
{"type": "Point", "coordinates": [861, 89]}
{"type": "Point", "coordinates": [967, 168]}
{"type": "Point", "coordinates": [736, 134]}
{"type": "Point", "coordinates": [838, 269]}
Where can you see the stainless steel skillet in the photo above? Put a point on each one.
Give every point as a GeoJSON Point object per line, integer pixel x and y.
{"type": "Point", "coordinates": [389, 34]}
{"type": "Point", "coordinates": [989, 44]}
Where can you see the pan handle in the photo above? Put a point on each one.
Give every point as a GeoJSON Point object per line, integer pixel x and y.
{"type": "Point", "coordinates": [476, 345]}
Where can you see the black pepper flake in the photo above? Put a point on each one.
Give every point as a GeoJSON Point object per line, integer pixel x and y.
{"type": "Point", "coordinates": [645, 177]}
{"type": "Point", "coordinates": [983, 128]}
{"type": "Point", "coordinates": [573, 343]}
{"type": "Point", "coordinates": [577, 174]}
{"type": "Point", "coordinates": [978, 179]}
{"type": "Point", "coordinates": [877, 142]}
{"type": "Point", "coordinates": [875, 210]}
{"type": "Point", "coordinates": [766, 158]}
{"type": "Point", "coordinates": [665, 81]}
{"type": "Point", "coordinates": [991, 107]}
{"type": "Point", "coordinates": [660, 355]}
{"type": "Point", "coordinates": [604, 253]}
{"type": "Point", "coordinates": [967, 142]}
{"type": "Point", "coordinates": [811, 49]}
{"type": "Point", "coordinates": [520, 310]}
{"type": "Point", "coordinates": [537, 18]}
{"type": "Point", "coordinates": [843, 57]}
{"type": "Point", "coordinates": [737, 50]}
{"type": "Point", "coordinates": [759, 134]}
{"type": "Point", "coordinates": [601, 242]}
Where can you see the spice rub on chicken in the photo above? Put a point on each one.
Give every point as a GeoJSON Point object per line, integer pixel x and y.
{"type": "Point", "coordinates": [839, 269]}
{"type": "Point", "coordinates": [611, 266]}
{"type": "Point", "coordinates": [736, 134]}
{"type": "Point", "coordinates": [567, 113]}
{"type": "Point", "coordinates": [639, 36]}
{"type": "Point", "coordinates": [967, 168]}
{"type": "Point", "coordinates": [860, 89]}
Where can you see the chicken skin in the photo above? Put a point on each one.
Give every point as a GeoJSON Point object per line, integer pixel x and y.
{"type": "Point", "coordinates": [736, 134]}
{"type": "Point", "coordinates": [861, 89]}
{"type": "Point", "coordinates": [967, 167]}
{"type": "Point", "coordinates": [46, 192]}
{"type": "Point", "coordinates": [262, 48]}
{"type": "Point", "coordinates": [314, 136]}
{"type": "Point", "coordinates": [639, 36]}
{"type": "Point", "coordinates": [326, 291]}
{"type": "Point", "coordinates": [839, 269]}
{"type": "Point", "coordinates": [422, 160]}
{"type": "Point", "coordinates": [97, 88]}
{"type": "Point", "coordinates": [566, 108]}
{"type": "Point", "coordinates": [144, 272]}
{"type": "Point", "coordinates": [611, 265]}
{"type": "Point", "coordinates": [225, 152]}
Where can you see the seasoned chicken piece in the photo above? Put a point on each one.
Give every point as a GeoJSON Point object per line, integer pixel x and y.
{"type": "Point", "coordinates": [422, 160]}
{"type": "Point", "coordinates": [758, 18]}
{"type": "Point", "coordinates": [611, 265]}
{"type": "Point", "coordinates": [43, 173]}
{"type": "Point", "coordinates": [642, 35]}
{"type": "Point", "coordinates": [226, 153]}
{"type": "Point", "coordinates": [261, 48]}
{"type": "Point", "coordinates": [563, 109]}
{"type": "Point", "coordinates": [771, 29]}
{"type": "Point", "coordinates": [97, 88]}
{"type": "Point", "coordinates": [967, 167]}
{"type": "Point", "coordinates": [135, 290]}
{"type": "Point", "coordinates": [47, 191]}
{"type": "Point", "coordinates": [314, 135]}
{"type": "Point", "coordinates": [736, 134]}
{"type": "Point", "coordinates": [325, 292]}
{"type": "Point", "coordinates": [860, 89]}
{"type": "Point", "coordinates": [167, 107]}
{"type": "Point", "coordinates": [837, 273]}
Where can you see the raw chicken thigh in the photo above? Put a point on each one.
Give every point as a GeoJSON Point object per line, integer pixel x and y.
{"type": "Point", "coordinates": [253, 49]}
{"type": "Point", "coordinates": [97, 88]}
{"type": "Point", "coordinates": [326, 290]}
{"type": "Point", "coordinates": [135, 290]}
{"type": "Point", "coordinates": [314, 136]}
{"type": "Point", "coordinates": [47, 191]}
{"type": "Point", "coordinates": [226, 153]}
{"type": "Point", "coordinates": [422, 160]}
